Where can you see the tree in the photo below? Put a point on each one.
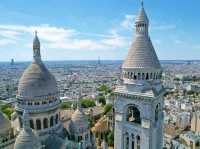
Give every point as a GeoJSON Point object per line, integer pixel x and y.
{"type": "Point", "coordinates": [110, 138]}
{"type": "Point", "coordinates": [86, 103]}
{"type": "Point", "coordinates": [104, 88]}
{"type": "Point", "coordinates": [7, 110]}
{"type": "Point", "coordinates": [107, 108]}
{"type": "Point", "coordinates": [101, 99]}
{"type": "Point", "coordinates": [66, 105]}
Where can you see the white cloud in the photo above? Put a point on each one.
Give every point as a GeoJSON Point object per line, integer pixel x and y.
{"type": "Point", "coordinates": [5, 42]}
{"type": "Point", "coordinates": [128, 22]}
{"type": "Point", "coordinates": [62, 38]}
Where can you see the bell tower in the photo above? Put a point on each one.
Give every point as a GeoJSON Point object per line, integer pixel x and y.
{"type": "Point", "coordinates": [139, 100]}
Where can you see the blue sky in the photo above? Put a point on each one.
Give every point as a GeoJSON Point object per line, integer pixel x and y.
{"type": "Point", "coordinates": [86, 29]}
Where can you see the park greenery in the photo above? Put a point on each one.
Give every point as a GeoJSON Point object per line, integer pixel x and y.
{"type": "Point", "coordinates": [7, 110]}
{"type": "Point", "coordinates": [107, 108]}
{"type": "Point", "coordinates": [66, 105]}
{"type": "Point", "coordinates": [87, 103]}
{"type": "Point", "coordinates": [101, 99]}
{"type": "Point", "coordinates": [105, 89]}
{"type": "Point", "coordinates": [110, 138]}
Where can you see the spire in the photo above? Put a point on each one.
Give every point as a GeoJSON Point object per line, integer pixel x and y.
{"type": "Point", "coordinates": [142, 3]}
{"type": "Point", "coordinates": [142, 21]}
{"type": "Point", "coordinates": [36, 48]}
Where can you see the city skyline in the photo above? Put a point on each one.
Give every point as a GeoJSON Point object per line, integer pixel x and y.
{"type": "Point", "coordinates": [81, 31]}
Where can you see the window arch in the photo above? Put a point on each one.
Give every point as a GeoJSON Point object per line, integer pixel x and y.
{"type": "Point", "coordinates": [133, 114]}
{"type": "Point", "coordinates": [138, 142]}
{"type": "Point", "coordinates": [45, 123]}
{"type": "Point", "coordinates": [157, 111]}
{"type": "Point", "coordinates": [56, 119]}
{"type": "Point", "coordinates": [133, 141]}
{"type": "Point", "coordinates": [139, 76]}
{"type": "Point", "coordinates": [143, 76]}
{"type": "Point", "coordinates": [51, 121]}
{"type": "Point", "coordinates": [147, 76]}
{"type": "Point", "coordinates": [38, 124]}
{"type": "Point", "coordinates": [126, 141]}
{"type": "Point", "coordinates": [31, 124]}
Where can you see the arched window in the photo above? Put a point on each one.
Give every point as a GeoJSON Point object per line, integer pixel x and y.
{"type": "Point", "coordinates": [133, 115]}
{"type": "Point", "coordinates": [51, 121]}
{"type": "Point", "coordinates": [135, 77]}
{"type": "Point", "coordinates": [143, 76]}
{"type": "Point", "coordinates": [138, 142]}
{"type": "Point", "coordinates": [156, 112]}
{"type": "Point", "coordinates": [151, 75]}
{"type": "Point", "coordinates": [147, 76]}
{"type": "Point", "coordinates": [56, 120]}
{"type": "Point", "coordinates": [38, 124]}
{"type": "Point", "coordinates": [133, 141]}
{"type": "Point", "coordinates": [139, 76]}
{"type": "Point", "coordinates": [45, 123]}
{"type": "Point", "coordinates": [31, 124]}
{"type": "Point", "coordinates": [126, 141]}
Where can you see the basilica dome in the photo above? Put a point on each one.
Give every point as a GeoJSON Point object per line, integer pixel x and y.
{"type": "Point", "coordinates": [36, 80]}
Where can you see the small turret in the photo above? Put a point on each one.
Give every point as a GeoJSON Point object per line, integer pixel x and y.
{"type": "Point", "coordinates": [36, 48]}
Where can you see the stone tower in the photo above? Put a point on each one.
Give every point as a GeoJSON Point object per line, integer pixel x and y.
{"type": "Point", "coordinates": [139, 100]}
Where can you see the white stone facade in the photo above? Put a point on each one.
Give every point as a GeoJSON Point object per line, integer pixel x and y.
{"type": "Point", "coordinates": [138, 102]}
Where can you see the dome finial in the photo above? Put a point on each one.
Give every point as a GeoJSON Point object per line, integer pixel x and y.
{"type": "Point", "coordinates": [35, 32]}
{"type": "Point", "coordinates": [36, 48]}
{"type": "Point", "coordinates": [142, 3]}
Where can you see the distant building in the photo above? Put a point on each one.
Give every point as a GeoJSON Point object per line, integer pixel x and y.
{"type": "Point", "coordinates": [139, 100]}
{"type": "Point", "coordinates": [183, 120]}
{"type": "Point", "coordinates": [195, 122]}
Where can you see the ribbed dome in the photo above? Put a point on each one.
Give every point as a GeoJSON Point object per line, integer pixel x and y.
{"type": "Point", "coordinates": [37, 81]}
{"type": "Point", "coordinates": [141, 54]}
{"type": "Point", "coordinates": [79, 122]}
{"type": "Point", "coordinates": [5, 125]}
{"type": "Point", "coordinates": [142, 16]}
{"type": "Point", "coordinates": [27, 140]}
{"type": "Point", "coordinates": [36, 42]}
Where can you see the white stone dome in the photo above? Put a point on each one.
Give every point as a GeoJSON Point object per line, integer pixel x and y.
{"type": "Point", "coordinates": [5, 125]}
{"type": "Point", "coordinates": [37, 81]}
{"type": "Point", "coordinates": [79, 122]}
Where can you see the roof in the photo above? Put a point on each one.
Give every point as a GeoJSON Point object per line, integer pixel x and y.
{"type": "Point", "coordinates": [37, 81]}
{"type": "Point", "coordinates": [79, 122]}
{"type": "Point", "coordinates": [141, 54]}
{"type": "Point", "coordinates": [142, 16]}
